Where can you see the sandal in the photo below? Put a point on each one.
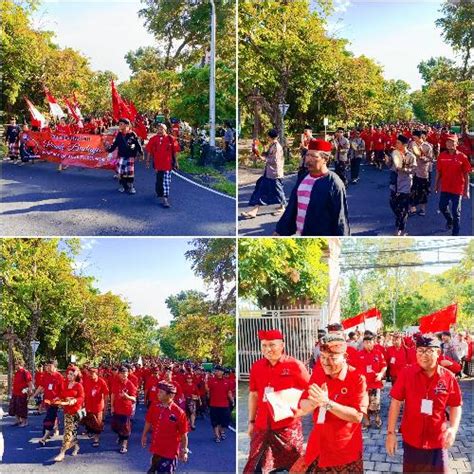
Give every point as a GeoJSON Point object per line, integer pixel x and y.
{"type": "Point", "coordinates": [278, 212]}
{"type": "Point", "coordinates": [217, 440]}
{"type": "Point", "coordinates": [247, 215]}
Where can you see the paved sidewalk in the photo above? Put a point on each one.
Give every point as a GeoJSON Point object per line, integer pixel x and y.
{"type": "Point", "coordinates": [376, 459]}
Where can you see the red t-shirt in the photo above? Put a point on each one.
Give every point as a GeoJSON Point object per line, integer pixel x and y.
{"type": "Point", "coordinates": [420, 430]}
{"type": "Point", "coordinates": [162, 149]}
{"type": "Point", "coordinates": [133, 378]}
{"type": "Point", "coordinates": [368, 136]}
{"type": "Point", "coordinates": [397, 359]}
{"type": "Point", "coordinates": [379, 141]}
{"type": "Point", "coordinates": [122, 405]}
{"type": "Point", "coordinates": [77, 392]}
{"type": "Point", "coordinates": [370, 364]}
{"type": "Point", "coordinates": [190, 389]}
{"type": "Point", "coordinates": [286, 373]}
{"type": "Point", "coordinates": [52, 384]}
{"type": "Point", "coordinates": [452, 170]}
{"type": "Point", "coordinates": [336, 441]}
{"type": "Point", "coordinates": [169, 424]}
{"type": "Point", "coordinates": [39, 379]}
{"type": "Point", "coordinates": [95, 392]}
{"type": "Point", "coordinates": [151, 387]}
{"type": "Point", "coordinates": [219, 392]}
{"type": "Point", "coordinates": [455, 368]}
{"type": "Point", "coordinates": [21, 379]}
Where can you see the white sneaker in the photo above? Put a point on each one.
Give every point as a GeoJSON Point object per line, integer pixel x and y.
{"type": "Point", "coordinates": [121, 189]}
{"type": "Point", "coordinates": [133, 190]}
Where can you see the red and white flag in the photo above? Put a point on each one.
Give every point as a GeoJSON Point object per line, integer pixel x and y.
{"type": "Point", "coordinates": [37, 118]}
{"type": "Point", "coordinates": [54, 107]}
{"type": "Point", "coordinates": [71, 109]}
{"type": "Point", "coordinates": [362, 318]}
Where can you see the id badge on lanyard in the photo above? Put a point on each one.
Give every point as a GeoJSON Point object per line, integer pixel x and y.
{"type": "Point", "coordinates": [426, 406]}
{"type": "Point", "coordinates": [267, 390]}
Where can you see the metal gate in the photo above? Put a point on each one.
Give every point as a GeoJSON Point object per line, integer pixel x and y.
{"type": "Point", "coordinates": [299, 326]}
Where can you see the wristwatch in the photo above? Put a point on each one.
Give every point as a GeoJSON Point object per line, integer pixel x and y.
{"type": "Point", "coordinates": [329, 406]}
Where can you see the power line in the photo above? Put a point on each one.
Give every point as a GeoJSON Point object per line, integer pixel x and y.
{"type": "Point", "coordinates": [398, 265]}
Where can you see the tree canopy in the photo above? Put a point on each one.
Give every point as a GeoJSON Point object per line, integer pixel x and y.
{"type": "Point", "coordinates": [403, 293]}
{"type": "Point", "coordinates": [281, 272]}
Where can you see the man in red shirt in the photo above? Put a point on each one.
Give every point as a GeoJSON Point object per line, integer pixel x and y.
{"type": "Point", "coordinates": [452, 180]}
{"type": "Point", "coordinates": [220, 395]}
{"type": "Point", "coordinates": [162, 148]}
{"type": "Point", "coordinates": [52, 384]}
{"type": "Point", "coordinates": [22, 389]}
{"type": "Point", "coordinates": [426, 389]}
{"type": "Point", "coordinates": [372, 365]}
{"type": "Point", "coordinates": [123, 396]}
{"type": "Point", "coordinates": [396, 356]}
{"type": "Point", "coordinates": [170, 431]}
{"type": "Point", "coordinates": [96, 392]}
{"type": "Point", "coordinates": [191, 395]}
{"type": "Point", "coordinates": [274, 445]}
{"type": "Point", "coordinates": [378, 139]}
{"type": "Point", "coordinates": [338, 397]}
{"type": "Point", "coordinates": [151, 386]}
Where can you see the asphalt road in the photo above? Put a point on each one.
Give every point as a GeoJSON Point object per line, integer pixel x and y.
{"type": "Point", "coordinates": [37, 200]}
{"type": "Point", "coordinates": [22, 453]}
{"type": "Point", "coordinates": [369, 210]}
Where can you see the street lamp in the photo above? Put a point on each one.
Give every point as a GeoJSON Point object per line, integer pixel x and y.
{"type": "Point", "coordinates": [212, 84]}
{"type": "Point", "coordinates": [34, 348]}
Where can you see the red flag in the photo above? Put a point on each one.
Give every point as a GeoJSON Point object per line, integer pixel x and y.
{"type": "Point", "coordinates": [360, 318]}
{"type": "Point", "coordinates": [37, 118]}
{"type": "Point", "coordinates": [119, 106]}
{"type": "Point", "coordinates": [133, 110]}
{"type": "Point", "coordinates": [440, 320]}
{"type": "Point", "coordinates": [140, 128]}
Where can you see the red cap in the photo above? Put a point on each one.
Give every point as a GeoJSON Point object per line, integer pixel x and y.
{"type": "Point", "coordinates": [270, 335]}
{"type": "Point", "coordinates": [452, 136]}
{"type": "Point", "coordinates": [319, 145]}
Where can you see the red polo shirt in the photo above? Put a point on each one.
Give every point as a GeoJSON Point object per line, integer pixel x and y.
{"type": "Point", "coordinates": [336, 441]}
{"type": "Point", "coordinates": [21, 379]}
{"type": "Point", "coordinates": [421, 430]}
{"type": "Point", "coordinates": [151, 387]}
{"type": "Point", "coordinates": [286, 373]}
{"type": "Point", "coordinates": [123, 406]}
{"type": "Point", "coordinates": [370, 364]}
{"type": "Point", "coordinates": [397, 359]}
{"type": "Point", "coordinates": [161, 148]}
{"type": "Point", "coordinates": [219, 392]}
{"type": "Point", "coordinates": [452, 170]}
{"type": "Point", "coordinates": [133, 378]}
{"type": "Point", "coordinates": [52, 384]}
{"type": "Point", "coordinates": [190, 389]}
{"type": "Point", "coordinates": [77, 392]}
{"type": "Point", "coordinates": [169, 424]}
{"type": "Point", "coordinates": [95, 392]}
{"type": "Point", "coordinates": [378, 141]}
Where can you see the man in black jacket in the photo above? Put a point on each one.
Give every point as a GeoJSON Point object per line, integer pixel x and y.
{"type": "Point", "coordinates": [317, 205]}
{"type": "Point", "coordinates": [128, 148]}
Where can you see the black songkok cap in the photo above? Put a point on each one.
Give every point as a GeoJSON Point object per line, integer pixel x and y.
{"type": "Point", "coordinates": [403, 139]}
{"type": "Point", "coordinates": [125, 121]}
{"type": "Point", "coordinates": [335, 327]}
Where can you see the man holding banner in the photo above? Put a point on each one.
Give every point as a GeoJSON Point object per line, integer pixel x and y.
{"type": "Point", "coordinates": [129, 148]}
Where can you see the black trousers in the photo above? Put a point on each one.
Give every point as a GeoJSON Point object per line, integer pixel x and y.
{"type": "Point", "coordinates": [126, 183]}
{"type": "Point", "coordinates": [400, 202]}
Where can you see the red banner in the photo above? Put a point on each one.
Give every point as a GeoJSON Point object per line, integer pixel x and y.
{"type": "Point", "coordinates": [440, 320]}
{"type": "Point", "coordinates": [360, 318]}
{"type": "Point", "coordinates": [87, 151]}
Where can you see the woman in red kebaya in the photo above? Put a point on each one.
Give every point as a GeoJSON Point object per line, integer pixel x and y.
{"type": "Point", "coordinates": [22, 388]}
{"type": "Point", "coordinates": [96, 392]}
{"type": "Point", "coordinates": [123, 397]}
{"type": "Point", "coordinates": [71, 399]}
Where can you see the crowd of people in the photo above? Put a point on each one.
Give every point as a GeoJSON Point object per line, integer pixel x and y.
{"type": "Point", "coordinates": [343, 395]}
{"type": "Point", "coordinates": [411, 151]}
{"type": "Point", "coordinates": [175, 395]}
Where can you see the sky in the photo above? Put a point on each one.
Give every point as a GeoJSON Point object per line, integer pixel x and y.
{"type": "Point", "coordinates": [397, 34]}
{"type": "Point", "coordinates": [104, 31]}
{"type": "Point", "coordinates": [144, 271]}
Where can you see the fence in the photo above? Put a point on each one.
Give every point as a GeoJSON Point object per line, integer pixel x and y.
{"type": "Point", "coordinates": [299, 326]}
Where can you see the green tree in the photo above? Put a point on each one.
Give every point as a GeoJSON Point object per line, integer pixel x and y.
{"type": "Point", "coordinates": [214, 261]}
{"type": "Point", "coordinates": [280, 272]}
